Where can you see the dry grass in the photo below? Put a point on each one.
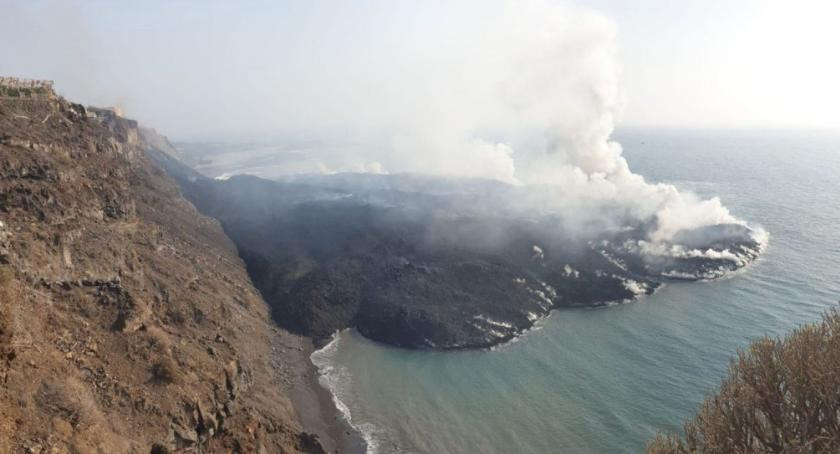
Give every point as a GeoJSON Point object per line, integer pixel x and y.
{"type": "Point", "coordinates": [165, 371]}
{"type": "Point", "coordinates": [69, 400]}
{"type": "Point", "coordinates": [158, 448]}
{"type": "Point", "coordinates": [7, 276]}
{"type": "Point", "coordinates": [159, 340]}
{"type": "Point", "coordinates": [781, 395]}
{"type": "Point", "coordinates": [7, 294]}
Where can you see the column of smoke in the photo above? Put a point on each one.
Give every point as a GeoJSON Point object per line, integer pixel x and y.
{"type": "Point", "coordinates": [529, 96]}
{"type": "Point", "coordinates": [526, 92]}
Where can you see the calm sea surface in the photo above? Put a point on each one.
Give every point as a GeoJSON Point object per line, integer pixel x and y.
{"type": "Point", "coordinates": [605, 380]}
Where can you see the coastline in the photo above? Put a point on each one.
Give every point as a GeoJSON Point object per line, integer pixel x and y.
{"type": "Point", "coordinates": [316, 410]}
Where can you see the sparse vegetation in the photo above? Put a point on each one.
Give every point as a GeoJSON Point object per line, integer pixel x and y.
{"type": "Point", "coordinates": [7, 275]}
{"type": "Point", "coordinates": [21, 92]}
{"type": "Point", "coordinates": [781, 395]}
{"type": "Point", "coordinates": [6, 295]}
{"type": "Point", "coordinates": [159, 340]}
{"type": "Point", "coordinates": [158, 448]}
{"type": "Point", "coordinates": [176, 317]}
{"type": "Point", "coordinates": [165, 371]}
{"type": "Point", "coordinates": [68, 381]}
{"type": "Point", "coordinates": [68, 400]}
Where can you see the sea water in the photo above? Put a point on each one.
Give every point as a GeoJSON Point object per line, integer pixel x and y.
{"type": "Point", "coordinates": [606, 380]}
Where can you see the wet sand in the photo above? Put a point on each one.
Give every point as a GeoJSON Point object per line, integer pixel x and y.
{"type": "Point", "coordinates": [315, 408]}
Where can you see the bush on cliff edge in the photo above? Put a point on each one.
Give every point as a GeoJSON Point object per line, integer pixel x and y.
{"type": "Point", "coordinates": [781, 395]}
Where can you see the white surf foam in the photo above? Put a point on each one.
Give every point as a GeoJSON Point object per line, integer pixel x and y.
{"type": "Point", "coordinates": [339, 382]}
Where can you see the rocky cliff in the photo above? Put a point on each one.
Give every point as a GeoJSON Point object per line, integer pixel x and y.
{"type": "Point", "coordinates": [128, 323]}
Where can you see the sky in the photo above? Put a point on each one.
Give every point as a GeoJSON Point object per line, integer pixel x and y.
{"type": "Point", "coordinates": [216, 69]}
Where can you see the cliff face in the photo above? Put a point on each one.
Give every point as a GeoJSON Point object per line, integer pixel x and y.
{"type": "Point", "coordinates": [127, 320]}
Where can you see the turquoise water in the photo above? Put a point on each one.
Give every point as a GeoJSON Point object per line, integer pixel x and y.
{"type": "Point", "coordinates": [605, 380]}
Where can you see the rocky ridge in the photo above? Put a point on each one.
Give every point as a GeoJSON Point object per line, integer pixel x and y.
{"type": "Point", "coordinates": [128, 322]}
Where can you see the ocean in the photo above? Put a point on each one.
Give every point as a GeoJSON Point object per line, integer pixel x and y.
{"type": "Point", "coordinates": [606, 380]}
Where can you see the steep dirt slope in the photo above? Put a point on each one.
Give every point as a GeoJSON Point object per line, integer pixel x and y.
{"type": "Point", "coordinates": [127, 321]}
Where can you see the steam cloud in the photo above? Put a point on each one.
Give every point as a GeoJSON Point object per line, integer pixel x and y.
{"type": "Point", "coordinates": [524, 92]}
{"type": "Point", "coordinates": [528, 95]}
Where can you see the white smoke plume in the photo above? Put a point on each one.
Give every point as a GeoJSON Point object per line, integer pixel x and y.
{"type": "Point", "coordinates": [525, 92]}
{"type": "Point", "coordinates": [529, 96]}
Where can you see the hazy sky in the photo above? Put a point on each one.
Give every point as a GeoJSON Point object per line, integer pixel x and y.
{"type": "Point", "coordinates": [196, 69]}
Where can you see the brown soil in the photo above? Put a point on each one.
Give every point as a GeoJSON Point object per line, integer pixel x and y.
{"type": "Point", "coordinates": [128, 323]}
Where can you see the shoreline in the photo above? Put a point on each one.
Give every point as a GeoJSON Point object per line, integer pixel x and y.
{"type": "Point", "coordinates": [316, 410]}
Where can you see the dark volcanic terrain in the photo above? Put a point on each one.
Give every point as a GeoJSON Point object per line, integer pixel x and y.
{"type": "Point", "coordinates": [421, 262]}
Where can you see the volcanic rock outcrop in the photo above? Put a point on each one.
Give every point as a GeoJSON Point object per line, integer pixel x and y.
{"type": "Point", "coordinates": [408, 261]}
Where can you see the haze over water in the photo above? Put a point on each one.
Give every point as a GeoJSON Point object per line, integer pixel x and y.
{"type": "Point", "coordinates": [605, 380]}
